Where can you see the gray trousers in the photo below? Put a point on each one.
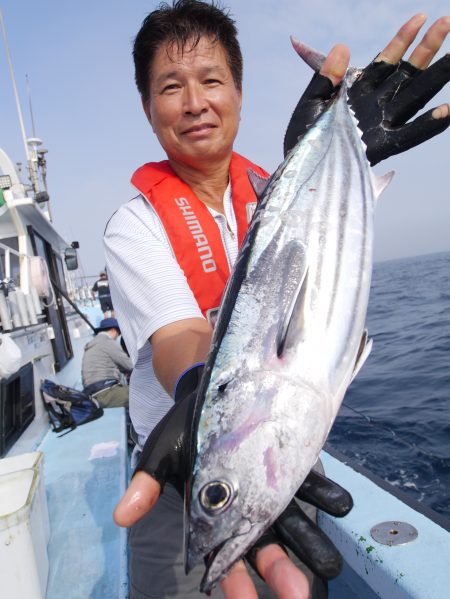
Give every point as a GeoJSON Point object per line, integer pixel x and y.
{"type": "Point", "coordinates": [156, 565]}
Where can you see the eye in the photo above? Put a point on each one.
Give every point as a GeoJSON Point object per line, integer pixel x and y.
{"type": "Point", "coordinates": [215, 496]}
{"type": "Point", "coordinates": [170, 87]}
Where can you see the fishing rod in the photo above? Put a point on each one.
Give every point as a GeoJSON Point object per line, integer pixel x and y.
{"type": "Point", "coordinates": [74, 306]}
{"type": "Point", "coordinates": [376, 425]}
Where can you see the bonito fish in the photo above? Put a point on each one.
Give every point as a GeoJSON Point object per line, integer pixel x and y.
{"type": "Point", "coordinates": [289, 339]}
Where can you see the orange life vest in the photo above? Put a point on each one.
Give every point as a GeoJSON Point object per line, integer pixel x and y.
{"type": "Point", "coordinates": [192, 231]}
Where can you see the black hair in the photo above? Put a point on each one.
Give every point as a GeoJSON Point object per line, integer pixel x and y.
{"type": "Point", "coordinates": [185, 22]}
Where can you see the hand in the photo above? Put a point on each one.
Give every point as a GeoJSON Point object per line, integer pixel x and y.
{"type": "Point", "coordinates": [321, 89]}
{"type": "Point", "coordinates": [387, 93]}
{"type": "Point", "coordinates": [165, 459]}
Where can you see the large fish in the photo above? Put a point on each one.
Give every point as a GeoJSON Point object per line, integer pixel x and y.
{"type": "Point", "coordinates": [289, 339]}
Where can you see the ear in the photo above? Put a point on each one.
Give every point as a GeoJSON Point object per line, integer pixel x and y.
{"type": "Point", "coordinates": [146, 107]}
{"type": "Point", "coordinates": [240, 97]}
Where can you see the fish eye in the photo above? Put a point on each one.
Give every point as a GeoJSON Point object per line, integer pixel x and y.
{"type": "Point", "coordinates": [215, 496]}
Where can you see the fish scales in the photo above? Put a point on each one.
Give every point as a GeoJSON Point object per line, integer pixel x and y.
{"type": "Point", "coordinates": [286, 342]}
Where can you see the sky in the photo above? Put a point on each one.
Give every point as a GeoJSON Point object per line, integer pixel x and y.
{"type": "Point", "coordinates": [77, 59]}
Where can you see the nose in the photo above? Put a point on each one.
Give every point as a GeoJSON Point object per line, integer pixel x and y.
{"type": "Point", "coordinates": [195, 100]}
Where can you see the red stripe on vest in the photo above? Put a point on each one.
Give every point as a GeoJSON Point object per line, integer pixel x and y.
{"type": "Point", "coordinates": [192, 231]}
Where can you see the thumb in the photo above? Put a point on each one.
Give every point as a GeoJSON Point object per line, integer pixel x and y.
{"type": "Point", "coordinates": [336, 64]}
{"type": "Point", "coordinates": [141, 495]}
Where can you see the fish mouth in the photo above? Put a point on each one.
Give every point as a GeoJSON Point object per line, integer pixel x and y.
{"type": "Point", "coordinates": [220, 560]}
{"type": "Point", "coordinates": [214, 573]}
{"type": "Point", "coordinates": [207, 582]}
{"type": "Point", "coordinates": [193, 558]}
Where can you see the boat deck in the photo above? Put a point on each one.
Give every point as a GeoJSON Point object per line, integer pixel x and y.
{"type": "Point", "coordinates": [85, 475]}
{"type": "Point", "coordinates": [411, 570]}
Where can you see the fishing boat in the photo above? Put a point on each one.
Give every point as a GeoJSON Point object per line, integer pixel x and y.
{"type": "Point", "coordinates": [57, 493]}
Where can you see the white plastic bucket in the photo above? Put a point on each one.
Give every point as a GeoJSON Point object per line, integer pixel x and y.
{"type": "Point", "coordinates": [23, 547]}
{"type": "Point", "coordinates": [32, 460]}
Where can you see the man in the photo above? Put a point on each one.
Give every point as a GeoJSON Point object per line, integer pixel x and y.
{"type": "Point", "coordinates": [101, 288]}
{"type": "Point", "coordinates": [189, 75]}
{"type": "Point", "coordinates": [103, 362]}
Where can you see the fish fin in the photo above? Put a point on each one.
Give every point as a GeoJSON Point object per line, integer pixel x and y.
{"type": "Point", "coordinates": [258, 182]}
{"type": "Point", "coordinates": [313, 58]}
{"type": "Point", "coordinates": [294, 317]}
{"type": "Point", "coordinates": [364, 349]}
{"type": "Point", "coordinates": [381, 182]}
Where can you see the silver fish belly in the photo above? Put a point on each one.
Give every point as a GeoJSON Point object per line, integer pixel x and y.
{"type": "Point", "coordinates": [287, 343]}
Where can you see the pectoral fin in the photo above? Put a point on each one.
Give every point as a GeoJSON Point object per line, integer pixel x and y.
{"type": "Point", "coordinates": [292, 323]}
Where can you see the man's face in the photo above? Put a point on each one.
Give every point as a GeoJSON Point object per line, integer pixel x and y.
{"type": "Point", "coordinates": [194, 106]}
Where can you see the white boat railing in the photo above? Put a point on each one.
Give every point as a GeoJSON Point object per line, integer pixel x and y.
{"type": "Point", "coordinates": [24, 295]}
{"type": "Point", "coordinates": [20, 301]}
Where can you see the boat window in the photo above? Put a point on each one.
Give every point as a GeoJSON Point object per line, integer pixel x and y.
{"type": "Point", "coordinates": [16, 406]}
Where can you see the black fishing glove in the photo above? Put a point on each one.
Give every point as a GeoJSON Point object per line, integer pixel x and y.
{"type": "Point", "coordinates": [165, 456]}
{"type": "Point", "coordinates": [384, 98]}
{"type": "Point", "coordinates": [294, 529]}
{"type": "Point", "coordinates": [313, 102]}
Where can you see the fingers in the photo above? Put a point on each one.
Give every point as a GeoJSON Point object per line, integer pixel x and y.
{"type": "Point", "coordinates": [397, 47]}
{"type": "Point", "coordinates": [323, 493]}
{"type": "Point", "coordinates": [238, 584]}
{"type": "Point", "coordinates": [421, 88]}
{"type": "Point", "coordinates": [139, 498]}
{"type": "Point", "coordinates": [430, 43]}
{"type": "Point", "coordinates": [425, 51]}
{"type": "Point", "coordinates": [412, 134]}
{"type": "Point", "coordinates": [310, 544]}
{"type": "Point", "coordinates": [336, 64]}
{"type": "Point", "coordinates": [441, 112]}
{"type": "Point", "coordinates": [279, 572]}
{"type": "Point", "coordinates": [421, 129]}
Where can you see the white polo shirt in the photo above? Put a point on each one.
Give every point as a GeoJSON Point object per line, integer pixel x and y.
{"type": "Point", "coordinates": [149, 290]}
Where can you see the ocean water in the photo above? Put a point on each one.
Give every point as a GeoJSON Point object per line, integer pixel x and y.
{"type": "Point", "coordinates": [395, 419]}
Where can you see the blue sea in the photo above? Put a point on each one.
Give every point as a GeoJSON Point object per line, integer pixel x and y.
{"type": "Point", "coordinates": [395, 419]}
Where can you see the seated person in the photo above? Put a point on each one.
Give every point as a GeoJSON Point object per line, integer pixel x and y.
{"type": "Point", "coordinates": [103, 361]}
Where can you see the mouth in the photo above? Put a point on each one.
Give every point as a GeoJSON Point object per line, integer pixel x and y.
{"type": "Point", "coordinates": [193, 558]}
{"type": "Point", "coordinates": [222, 558]}
{"type": "Point", "coordinates": [214, 571]}
{"type": "Point", "coordinates": [210, 578]}
{"type": "Point", "coordinates": [198, 130]}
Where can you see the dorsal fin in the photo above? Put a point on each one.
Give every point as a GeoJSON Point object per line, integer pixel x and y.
{"type": "Point", "coordinates": [313, 58]}
{"type": "Point", "coordinates": [293, 320]}
{"type": "Point", "coordinates": [258, 182]}
{"type": "Point", "coordinates": [364, 349]}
